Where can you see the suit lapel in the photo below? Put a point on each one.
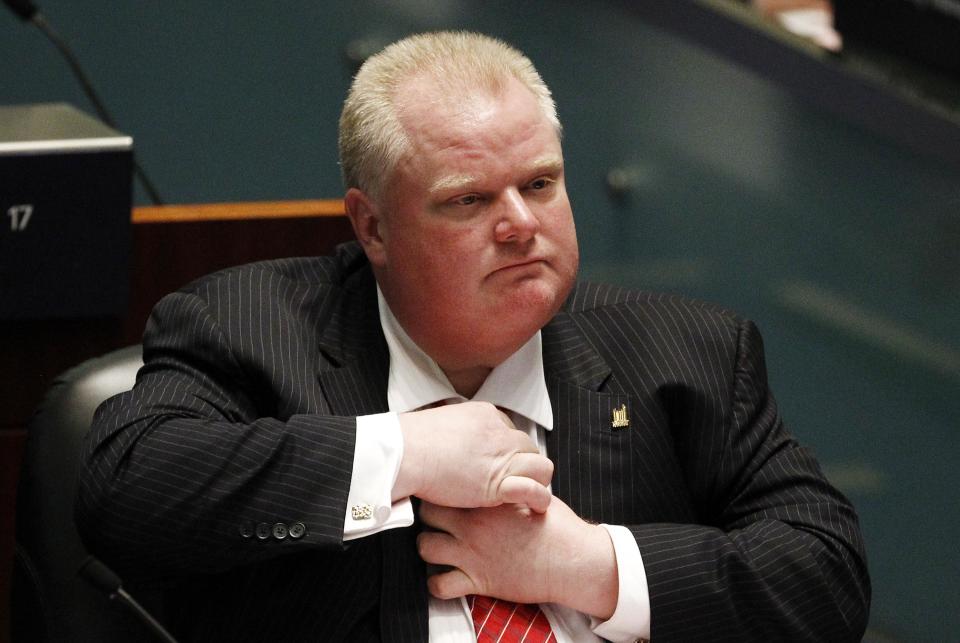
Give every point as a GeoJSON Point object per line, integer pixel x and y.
{"type": "Point", "coordinates": [569, 357]}
{"type": "Point", "coordinates": [585, 446]}
{"type": "Point", "coordinates": [353, 351]}
{"type": "Point", "coordinates": [355, 383]}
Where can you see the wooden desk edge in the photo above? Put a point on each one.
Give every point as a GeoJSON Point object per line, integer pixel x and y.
{"type": "Point", "coordinates": [237, 211]}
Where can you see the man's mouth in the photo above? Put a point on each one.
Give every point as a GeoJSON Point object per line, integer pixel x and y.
{"type": "Point", "coordinates": [519, 264]}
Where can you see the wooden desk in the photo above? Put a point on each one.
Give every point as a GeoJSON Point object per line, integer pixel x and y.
{"type": "Point", "coordinates": [171, 246]}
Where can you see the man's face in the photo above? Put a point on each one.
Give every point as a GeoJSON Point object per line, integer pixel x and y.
{"type": "Point", "coordinates": [478, 248]}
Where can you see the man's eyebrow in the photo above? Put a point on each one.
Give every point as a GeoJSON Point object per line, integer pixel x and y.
{"type": "Point", "coordinates": [546, 165]}
{"type": "Point", "coordinates": [452, 183]}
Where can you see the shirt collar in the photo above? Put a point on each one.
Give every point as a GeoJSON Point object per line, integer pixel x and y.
{"type": "Point", "coordinates": [416, 380]}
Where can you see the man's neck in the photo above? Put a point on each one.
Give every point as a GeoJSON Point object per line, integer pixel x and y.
{"type": "Point", "coordinates": [467, 382]}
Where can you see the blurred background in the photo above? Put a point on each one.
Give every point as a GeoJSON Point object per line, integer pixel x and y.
{"type": "Point", "coordinates": [811, 183]}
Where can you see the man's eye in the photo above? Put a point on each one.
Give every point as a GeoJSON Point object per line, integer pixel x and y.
{"type": "Point", "coordinates": [468, 199]}
{"type": "Point", "coordinates": [540, 184]}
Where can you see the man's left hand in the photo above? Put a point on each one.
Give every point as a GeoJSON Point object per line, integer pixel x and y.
{"type": "Point", "coordinates": [513, 553]}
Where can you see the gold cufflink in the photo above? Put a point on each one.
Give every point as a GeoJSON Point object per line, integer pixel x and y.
{"type": "Point", "coordinates": [620, 417]}
{"type": "Point", "coordinates": [361, 512]}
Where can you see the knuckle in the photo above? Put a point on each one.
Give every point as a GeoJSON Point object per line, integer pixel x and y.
{"type": "Point", "coordinates": [548, 467]}
{"type": "Point", "coordinates": [440, 586]}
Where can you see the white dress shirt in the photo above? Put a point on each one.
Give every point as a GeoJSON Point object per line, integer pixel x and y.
{"type": "Point", "coordinates": [517, 385]}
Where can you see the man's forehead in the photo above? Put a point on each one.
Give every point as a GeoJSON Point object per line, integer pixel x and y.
{"type": "Point", "coordinates": [421, 111]}
{"type": "Point", "coordinates": [428, 88]}
{"type": "Point", "coordinates": [455, 142]}
{"type": "Point", "coordinates": [421, 102]}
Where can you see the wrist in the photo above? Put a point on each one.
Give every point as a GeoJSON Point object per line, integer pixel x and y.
{"type": "Point", "coordinates": [592, 583]}
{"type": "Point", "coordinates": [409, 480]}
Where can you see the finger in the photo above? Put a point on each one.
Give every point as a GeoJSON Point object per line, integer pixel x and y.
{"type": "Point", "coordinates": [439, 548]}
{"type": "Point", "coordinates": [531, 465]}
{"type": "Point", "coordinates": [437, 516]}
{"type": "Point", "coordinates": [452, 584]}
{"type": "Point", "coordinates": [524, 491]}
{"type": "Point", "coordinates": [505, 418]}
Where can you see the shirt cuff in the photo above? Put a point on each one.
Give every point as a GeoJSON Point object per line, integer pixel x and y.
{"type": "Point", "coordinates": [631, 618]}
{"type": "Point", "coordinates": [376, 463]}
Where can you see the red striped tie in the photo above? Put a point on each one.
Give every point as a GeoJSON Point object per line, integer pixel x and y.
{"type": "Point", "coordinates": [498, 621]}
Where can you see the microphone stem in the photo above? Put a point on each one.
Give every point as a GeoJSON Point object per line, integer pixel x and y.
{"type": "Point", "coordinates": [51, 34]}
{"type": "Point", "coordinates": [125, 598]}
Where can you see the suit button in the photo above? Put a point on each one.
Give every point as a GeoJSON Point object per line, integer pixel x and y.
{"type": "Point", "coordinates": [280, 531]}
{"type": "Point", "coordinates": [246, 529]}
{"type": "Point", "coordinates": [263, 531]}
{"type": "Point", "coordinates": [298, 530]}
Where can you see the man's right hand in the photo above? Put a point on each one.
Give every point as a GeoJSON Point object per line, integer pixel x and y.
{"type": "Point", "coordinates": [470, 455]}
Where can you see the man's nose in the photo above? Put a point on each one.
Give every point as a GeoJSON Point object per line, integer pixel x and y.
{"type": "Point", "coordinates": [516, 221]}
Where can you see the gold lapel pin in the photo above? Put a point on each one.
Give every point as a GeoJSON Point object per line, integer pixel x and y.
{"type": "Point", "coordinates": [620, 417]}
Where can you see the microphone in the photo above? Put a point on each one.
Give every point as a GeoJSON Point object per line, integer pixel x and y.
{"type": "Point", "coordinates": [102, 577]}
{"type": "Point", "coordinates": [29, 12]}
{"type": "Point", "coordinates": [23, 8]}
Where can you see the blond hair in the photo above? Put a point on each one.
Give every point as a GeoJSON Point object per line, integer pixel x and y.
{"type": "Point", "coordinates": [372, 141]}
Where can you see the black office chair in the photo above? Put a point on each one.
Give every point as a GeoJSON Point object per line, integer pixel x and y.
{"type": "Point", "coordinates": [50, 603]}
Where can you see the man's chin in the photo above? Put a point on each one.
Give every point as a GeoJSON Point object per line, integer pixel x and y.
{"type": "Point", "coordinates": [535, 302]}
{"type": "Point", "coordinates": [546, 293]}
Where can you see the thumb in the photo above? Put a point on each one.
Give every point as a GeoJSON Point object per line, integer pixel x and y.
{"type": "Point", "coordinates": [451, 584]}
{"type": "Point", "coordinates": [524, 491]}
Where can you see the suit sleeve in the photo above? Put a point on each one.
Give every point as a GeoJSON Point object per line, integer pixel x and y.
{"type": "Point", "coordinates": [180, 472]}
{"type": "Point", "coordinates": [782, 558]}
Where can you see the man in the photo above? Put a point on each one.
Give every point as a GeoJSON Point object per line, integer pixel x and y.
{"type": "Point", "coordinates": [377, 445]}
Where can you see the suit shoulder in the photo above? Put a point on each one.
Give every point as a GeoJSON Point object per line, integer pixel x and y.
{"type": "Point", "coordinates": [592, 297]}
{"type": "Point", "coordinates": [675, 335]}
{"type": "Point", "coordinates": [301, 300]}
{"type": "Point", "coordinates": [333, 271]}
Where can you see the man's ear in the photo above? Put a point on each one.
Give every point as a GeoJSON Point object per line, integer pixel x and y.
{"type": "Point", "coordinates": [366, 217]}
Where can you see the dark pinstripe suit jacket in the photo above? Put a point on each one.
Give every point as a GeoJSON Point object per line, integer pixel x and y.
{"type": "Point", "coordinates": [244, 415]}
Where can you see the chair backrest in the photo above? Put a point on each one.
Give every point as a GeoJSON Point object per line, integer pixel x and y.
{"type": "Point", "coordinates": [50, 603]}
